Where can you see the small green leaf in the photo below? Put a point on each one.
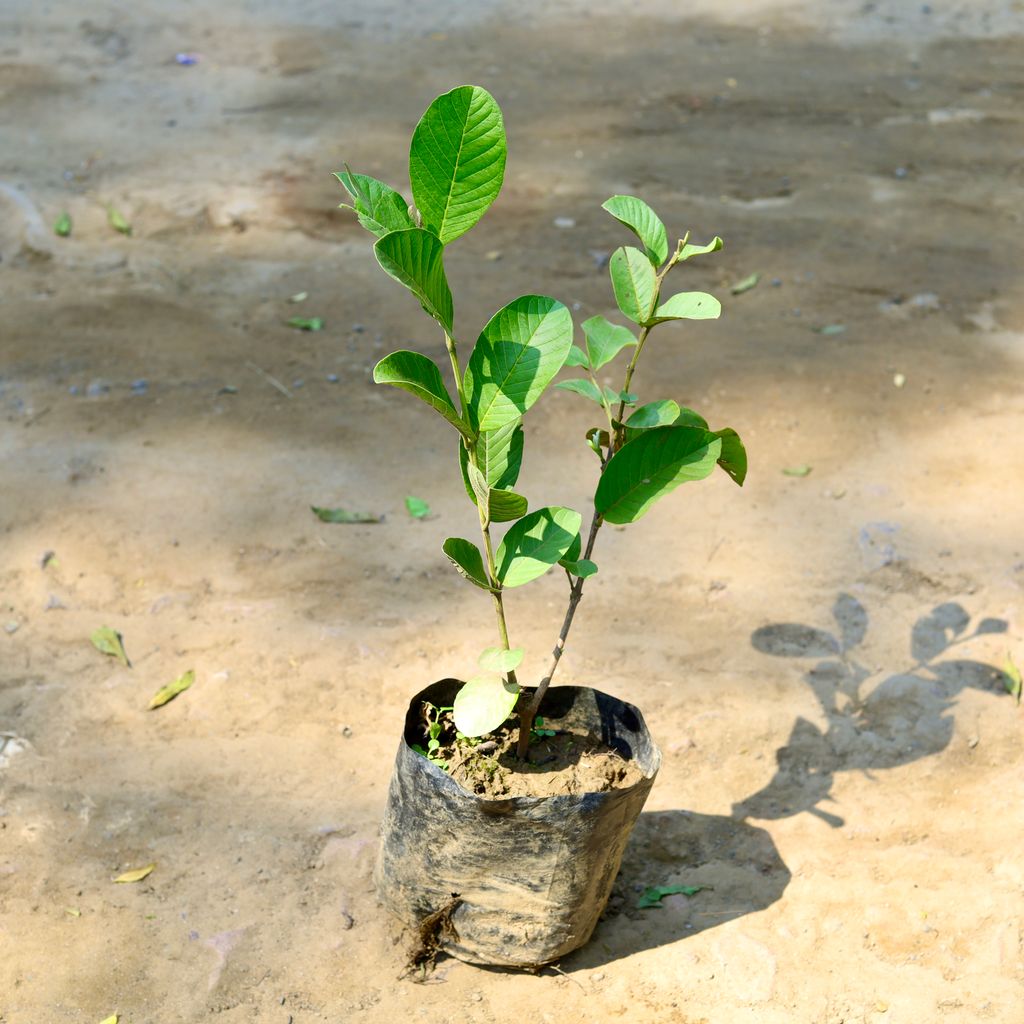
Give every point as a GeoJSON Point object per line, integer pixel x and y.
{"type": "Point", "coordinates": [466, 558]}
{"type": "Point", "coordinates": [136, 875]}
{"type": "Point", "coordinates": [634, 283]}
{"type": "Point", "coordinates": [1014, 683]}
{"type": "Point", "coordinates": [483, 704]}
{"type": "Point", "coordinates": [62, 225]}
{"type": "Point", "coordinates": [688, 306]}
{"type": "Point", "coordinates": [417, 507]}
{"type": "Point", "coordinates": [534, 544]}
{"type": "Point", "coordinates": [516, 356]}
{"type": "Point", "coordinates": [420, 376]}
{"type": "Point", "coordinates": [112, 1019]}
{"type": "Point", "coordinates": [583, 567]}
{"type": "Point", "coordinates": [699, 250]}
{"type": "Point", "coordinates": [653, 895]}
{"type": "Point", "coordinates": [636, 215]}
{"type": "Point", "coordinates": [573, 551]}
{"type": "Point", "coordinates": [109, 641]}
{"type": "Point", "coordinates": [746, 284]}
{"type": "Point", "coordinates": [582, 386]}
{"type": "Point", "coordinates": [829, 330]}
{"type": "Point", "coordinates": [457, 160]}
{"type": "Point", "coordinates": [650, 466]}
{"type": "Point", "coordinates": [626, 397]}
{"type": "Point", "coordinates": [499, 454]}
{"type": "Point", "coordinates": [605, 340]}
{"type": "Point", "coordinates": [505, 506]}
{"type": "Point", "coordinates": [479, 486]}
{"type": "Point", "coordinates": [117, 221]}
{"type": "Point", "coordinates": [379, 207]}
{"type": "Point", "coordinates": [662, 413]}
{"type": "Point", "coordinates": [577, 357]}
{"type": "Point", "coordinates": [414, 257]}
{"type": "Point", "coordinates": [171, 690]}
{"type": "Point", "coordinates": [689, 418]}
{"type": "Point", "coordinates": [497, 659]}
{"type": "Point", "coordinates": [802, 470]}
{"type": "Point", "coordinates": [306, 323]}
{"type": "Point", "coordinates": [733, 458]}
{"type": "Point", "coordinates": [340, 515]}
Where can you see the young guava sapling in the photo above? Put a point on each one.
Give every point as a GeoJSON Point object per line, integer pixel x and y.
{"type": "Point", "coordinates": [456, 168]}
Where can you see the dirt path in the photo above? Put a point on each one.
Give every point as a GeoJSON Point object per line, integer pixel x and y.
{"type": "Point", "coordinates": [818, 655]}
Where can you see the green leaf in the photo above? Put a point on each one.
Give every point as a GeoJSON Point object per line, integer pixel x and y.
{"type": "Point", "coordinates": [479, 486]}
{"type": "Point", "coordinates": [583, 567]}
{"type": "Point", "coordinates": [662, 413]}
{"type": "Point", "coordinates": [801, 470]}
{"type": "Point", "coordinates": [652, 465]}
{"type": "Point", "coordinates": [634, 283]}
{"type": "Point", "coordinates": [420, 376]}
{"type": "Point", "coordinates": [306, 323]}
{"type": "Point", "coordinates": [699, 250]}
{"type": "Point", "coordinates": [171, 690]}
{"type": "Point", "coordinates": [516, 356]}
{"type": "Point", "coordinates": [605, 340]}
{"type": "Point", "coordinates": [534, 544]}
{"type": "Point", "coordinates": [688, 306]}
{"type": "Point", "coordinates": [1014, 682]}
{"type": "Point", "coordinates": [636, 215]}
{"type": "Point", "coordinates": [626, 397]}
{"type": "Point", "coordinates": [483, 704]}
{"type": "Point", "coordinates": [573, 552]}
{"type": "Point", "coordinates": [379, 207]}
{"type": "Point", "coordinates": [109, 641]}
{"type": "Point", "coordinates": [466, 557]}
{"type": "Point", "coordinates": [733, 457]}
{"type": "Point", "coordinates": [457, 160]}
{"type": "Point", "coordinates": [117, 221]}
{"type": "Point", "coordinates": [340, 515]}
{"type": "Point", "coordinates": [689, 418]}
{"type": "Point", "coordinates": [498, 659]}
{"type": "Point", "coordinates": [830, 330]}
{"type": "Point", "coordinates": [499, 454]}
{"type": "Point", "coordinates": [112, 1019]}
{"type": "Point", "coordinates": [413, 257]}
{"type": "Point", "coordinates": [505, 506]}
{"type": "Point", "coordinates": [62, 225]}
{"type": "Point", "coordinates": [653, 895]}
{"type": "Point", "coordinates": [577, 357]}
{"type": "Point", "coordinates": [582, 386]}
{"type": "Point", "coordinates": [746, 284]}
{"type": "Point", "coordinates": [417, 507]}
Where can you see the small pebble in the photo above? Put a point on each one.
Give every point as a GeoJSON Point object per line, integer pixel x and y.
{"type": "Point", "coordinates": [140, 386]}
{"type": "Point", "coordinates": [900, 172]}
{"type": "Point", "coordinates": [12, 627]}
{"type": "Point", "coordinates": [776, 282]}
{"type": "Point", "coordinates": [298, 382]}
{"type": "Point", "coordinates": [54, 604]}
{"type": "Point", "coordinates": [899, 380]}
{"type": "Point", "coordinates": [564, 222]}
{"type": "Point", "coordinates": [97, 388]}
{"type": "Point", "coordinates": [358, 328]}
{"type": "Point", "coordinates": [347, 920]}
{"type": "Point", "coordinates": [332, 378]}
{"type": "Point", "coordinates": [74, 390]}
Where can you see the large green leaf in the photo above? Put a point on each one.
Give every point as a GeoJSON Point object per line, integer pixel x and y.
{"type": "Point", "coordinates": [499, 454]}
{"type": "Point", "coordinates": [688, 306]}
{"type": "Point", "coordinates": [534, 544]}
{"type": "Point", "coordinates": [379, 207]}
{"type": "Point", "coordinates": [483, 704]}
{"type": "Point", "coordinates": [650, 466]}
{"type": "Point", "coordinates": [517, 354]}
{"type": "Point", "coordinates": [415, 373]}
{"type": "Point", "coordinates": [605, 340]}
{"type": "Point", "coordinates": [457, 160]}
{"type": "Point", "coordinates": [643, 222]}
{"type": "Point", "coordinates": [413, 258]}
{"type": "Point", "coordinates": [699, 250]}
{"type": "Point", "coordinates": [634, 282]}
{"type": "Point", "coordinates": [733, 457]}
{"type": "Point", "coordinates": [466, 557]}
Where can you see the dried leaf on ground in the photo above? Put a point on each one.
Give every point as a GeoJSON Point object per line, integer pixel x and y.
{"type": "Point", "coordinates": [136, 874]}
{"type": "Point", "coordinates": [171, 690]}
{"type": "Point", "coordinates": [746, 284]}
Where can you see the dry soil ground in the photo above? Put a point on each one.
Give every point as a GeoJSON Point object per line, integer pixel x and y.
{"type": "Point", "coordinates": [858, 815]}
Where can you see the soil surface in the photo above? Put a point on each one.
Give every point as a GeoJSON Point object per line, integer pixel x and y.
{"type": "Point", "coordinates": [818, 654]}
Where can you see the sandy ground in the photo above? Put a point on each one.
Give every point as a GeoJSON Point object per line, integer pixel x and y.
{"type": "Point", "coordinates": [818, 656]}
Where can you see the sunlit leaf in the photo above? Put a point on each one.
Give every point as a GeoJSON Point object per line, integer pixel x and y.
{"type": "Point", "coordinates": [634, 283]}
{"type": "Point", "coordinates": [497, 659]}
{"type": "Point", "coordinates": [420, 376]}
{"type": "Point", "coordinates": [605, 340]}
{"type": "Point", "coordinates": [499, 454]}
{"type": "Point", "coordinates": [414, 257]}
{"type": "Point", "coordinates": [746, 284]}
{"type": "Point", "coordinates": [1014, 681]}
{"type": "Point", "coordinates": [636, 215]}
{"type": "Point", "coordinates": [688, 306]}
{"type": "Point", "coordinates": [457, 160]}
{"type": "Point", "coordinates": [171, 690]}
{"type": "Point", "coordinates": [662, 413]}
{"type": "Point", "coordinates": [379, 207]}
{"type": "Point", "coordinates": [466, 558]}
{"type": "Point", "coordinates": [733, 457]}
{"type": "Point", "coordinates": [117, 221]}
{"type": "Point", "coordinates": [62, 225]}
{"type": "Point", "coordinates": [577, 357]}
{"type": "Point", "coordinates": [306, 323]}
{"type": "Point", "coordinates": [801, 470]}
{"type": "Point", "coordinates": [582, 386]}
{"type": "Point", "coordinates": [534, 544]}
{"type": "Point", "coordinates": [699, 250]}
{"type": "Point", "coordinates": [483, 704]}
{"type": "Point", "coordinates": [417, 507]}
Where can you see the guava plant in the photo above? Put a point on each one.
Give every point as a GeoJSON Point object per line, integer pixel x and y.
{"type": "Point", "coordinates": [456, 168]}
